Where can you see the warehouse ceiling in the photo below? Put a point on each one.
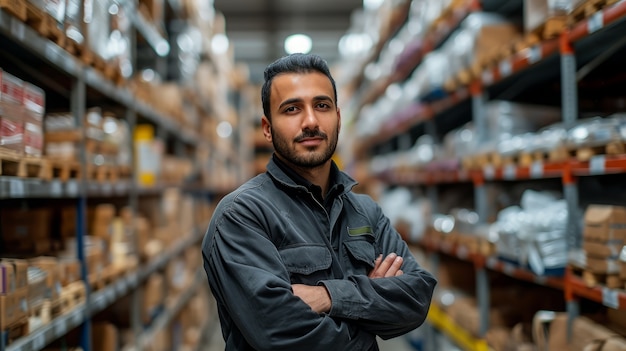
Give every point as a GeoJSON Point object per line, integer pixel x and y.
{"type": "Point", "coordinates": [257, 28]}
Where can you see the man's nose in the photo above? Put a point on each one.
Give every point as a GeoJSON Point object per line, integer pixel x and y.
{"type": "Point", "coordinates": [310, 118]}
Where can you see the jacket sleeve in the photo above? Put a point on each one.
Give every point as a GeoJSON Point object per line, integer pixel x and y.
{"type": "Point", "coordinates": [249, 280]}
{"type": "Point", "coordinates": [387, 307]}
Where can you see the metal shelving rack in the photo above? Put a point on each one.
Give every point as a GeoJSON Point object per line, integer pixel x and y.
{"type": "Point", "coordinates": [558, 59]}
{"type": "Point", "coordinates": [29, 44]}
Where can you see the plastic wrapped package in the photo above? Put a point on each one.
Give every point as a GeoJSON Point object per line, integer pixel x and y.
{"type": "Point", "coordinates": [505, 118]}
{"type": "Point", "coordinates": [403, 209]}
{"type": "Point", "coordinates": [597, 131]}
{"type": "Point", "coordinates": [73, 21]}
{"type": "Point", "coordinates": [548, 139]}
{"type": "Point", "coordinates": [534, 234]}
{"type": "Point", "coordinates": [460, 142]}
{"type": "Point", "coordinates": [97, 26]}
{"type": "Point", "coordinates": [436, 71]}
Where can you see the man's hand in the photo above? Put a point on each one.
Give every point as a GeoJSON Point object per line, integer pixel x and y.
{"type": "Point", "coordinates": [315, 296]}
{"type": "Point", "coordinates": [389, 267]}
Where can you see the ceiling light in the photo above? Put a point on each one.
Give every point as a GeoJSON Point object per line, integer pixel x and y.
{"type": "Point", "coordinates": [298, 43]}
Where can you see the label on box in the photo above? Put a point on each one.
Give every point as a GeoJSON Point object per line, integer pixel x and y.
{"type": "Point", "coordinates": [12, 88]}
{"type": "Point", "coordinates": [33, 139]}
{"type": "Point", "coordinates": [34, 99]}
{"type": "Point", "coordinates": [11, 132]}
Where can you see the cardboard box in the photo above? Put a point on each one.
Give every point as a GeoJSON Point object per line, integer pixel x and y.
{"type": "Point", "coordinates": [33, 136]}
{"type": "Point", "coordinates": [8, 310]}
{"type": "Point", "coordinates": [67, 222]}
{"type": "Point", "coordinates": [53, 274]}
{"type": "Point", "coordinates": [21, 272]}
{"type": "Point", "coordinates": [11, 126]}
{"type": "Point", "coordinates": [70, 270]}
{"type": "Point", "coordinates": [603, 249]}
{"type": "Point", "coordinates": [37, 289]}
{"type": "Point", "coordinates": [26, 231]}
{"type": "Point", "coordinates": [8, 282]}
{"type": "Point", "coordinates": [605, 223]}
{"type": "Point", "coordinates": [603, 265]}
{"type": "Point", "coordinates": [105, 337]}
{"type": "Point", "coordinates": [34, 100]}
{"type": "Point", "coordinates": [12, 88]}
{"type": "Point", "coordinates": [153, 296]}
{"type": "Point", "coordinates": [13, 307]}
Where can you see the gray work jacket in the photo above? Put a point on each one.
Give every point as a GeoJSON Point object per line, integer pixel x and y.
{"type": "Point", "coordinates": [271, 233]}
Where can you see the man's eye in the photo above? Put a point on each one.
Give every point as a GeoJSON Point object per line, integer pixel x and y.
{"type": "Point", "coordinates": [290, 109]}
{"type": "Point", "coordinates": [323, 105]}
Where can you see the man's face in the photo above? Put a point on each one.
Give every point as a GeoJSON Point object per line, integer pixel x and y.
{"type": "Point", "coordinates": [305, 120]}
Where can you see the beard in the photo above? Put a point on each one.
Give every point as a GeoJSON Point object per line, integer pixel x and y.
{"type": "Point", "coordinates": [311, 158]}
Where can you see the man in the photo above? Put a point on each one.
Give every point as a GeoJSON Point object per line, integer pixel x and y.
{"type": "Point", "coordinates": [295, 260]}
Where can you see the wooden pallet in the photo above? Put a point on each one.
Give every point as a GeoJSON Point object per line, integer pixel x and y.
{"type": "Point", "coordinates": [107, 276]}
{"type": "Point", "coordinates": [611, 281]}
{"type": "Point", "coordinates": [55, 31]}
{"type": "Point", "coordinates": [13, 163]}
{"type": "Point", "coordinates": [103, 173]}
{"type": "Point", "coordinates": [15, 8]}
{"type": "Point", "coordinates": [550, 29]}
{"type": "Point", "coordinates": [16, 330]}
{"type": "Point", "coordinates": [39, 315]}
{"type": "Point", "coordinates": [527, 159]}
{"type": "Point", "coordinates": [36, 19]}
{"type": "Point", "coordinates": [587, 9]}
{"type": "Point", "coordinates": [585, 153]}
{"type": "Point", "coordinates": [72, 295]}
{"type": "Point", "coordinates": [65, 169]}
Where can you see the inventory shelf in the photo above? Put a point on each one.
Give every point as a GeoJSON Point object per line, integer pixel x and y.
{"type": "Point", "coordinates": [572, 285]}
{"type": "Point", "coordinates": [101, 299]}
{"type": "Point", "coordinates": [442, 322]}
{"type": "Point", "coordinates": [493, 263]}
{"type": "Point", "coordinates": [536, 64]}
{"type": "Point", "coordinates": [170, 313]}
{"type": "Point", "coordinates": [597, 165]}
{"type": "Point", "coordinates": [576, 287]}
{"type": "Point", "coordinates": [25, 188]}
{"type": "Point", "coordinates": [49, 53]}
{"type": "Point", "coordinates": [416, 49]}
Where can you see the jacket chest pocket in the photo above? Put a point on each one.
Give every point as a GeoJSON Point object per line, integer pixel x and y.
{"type": "Point", "coordinates": [359, 256]}
{"type": "Point", "coordinates": [307, 264]}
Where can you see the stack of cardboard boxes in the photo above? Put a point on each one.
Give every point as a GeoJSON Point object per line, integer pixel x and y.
{"type": "Point", "coordinates": [604, 237]}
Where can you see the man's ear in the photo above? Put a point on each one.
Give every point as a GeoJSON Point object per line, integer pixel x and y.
{"type": "Point", "coordinates": [267, 128]}
{"type": "Point", "coordinates": [338, 119]}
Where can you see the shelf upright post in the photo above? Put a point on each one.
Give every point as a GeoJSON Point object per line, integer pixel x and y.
{"type": "Point", "coordinates": [480, 200]}
{"type": "Point", "coordinates": [432, 191]}
{"type": "Point", "coordinates": [569, 102]}
{"type": "Point", "coordinates": [133, 202]}
{"type": "Point", "coordinates": [480, 126]}
{"type": "Point", "coordinates": [77, 106]}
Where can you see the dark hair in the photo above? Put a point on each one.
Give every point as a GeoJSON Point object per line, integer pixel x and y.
{"type": "Point", "coordinates": [294, 63]}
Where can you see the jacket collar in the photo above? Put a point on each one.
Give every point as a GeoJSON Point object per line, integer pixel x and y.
{"type": "Point", "coordinates": [341, 179]}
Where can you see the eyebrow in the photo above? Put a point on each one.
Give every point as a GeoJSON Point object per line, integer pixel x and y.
{"type": "Point", "coordinates": [298, 100]}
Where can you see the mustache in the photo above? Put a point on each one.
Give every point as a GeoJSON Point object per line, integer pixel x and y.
{"type": "Point", "coordinates": [311, 134]}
